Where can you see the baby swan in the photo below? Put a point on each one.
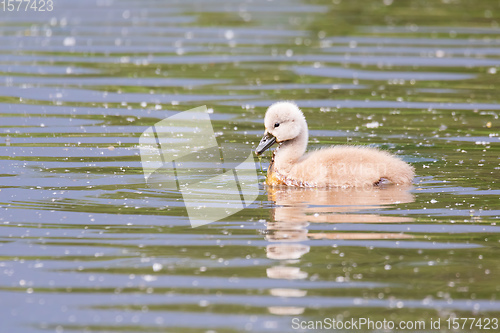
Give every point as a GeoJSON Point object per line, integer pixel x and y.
{"type": "Point", "coordinates": [339, 166]}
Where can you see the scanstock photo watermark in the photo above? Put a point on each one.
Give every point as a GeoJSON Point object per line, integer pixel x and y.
{"type": "Point", "coordinates": [357, 324]}
{"type": "Point", "coordinates": [181, 154]}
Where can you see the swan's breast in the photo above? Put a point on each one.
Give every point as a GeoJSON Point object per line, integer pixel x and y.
{"type": "Point", "coordinates": [275, 178]}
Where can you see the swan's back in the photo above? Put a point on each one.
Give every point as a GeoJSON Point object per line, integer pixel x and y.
{"type": "Point", "coordinates": [349, 166]}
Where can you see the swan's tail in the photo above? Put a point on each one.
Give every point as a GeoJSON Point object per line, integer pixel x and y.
{"type": "Point", "coordinates": [400, 172]}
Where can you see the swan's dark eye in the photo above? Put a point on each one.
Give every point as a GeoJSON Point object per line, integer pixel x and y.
{"type": "Point", "coordinates": [276, 125]}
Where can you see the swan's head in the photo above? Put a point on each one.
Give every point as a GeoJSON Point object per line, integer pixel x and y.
{"type": "Point", "coordinates": [284, 121]}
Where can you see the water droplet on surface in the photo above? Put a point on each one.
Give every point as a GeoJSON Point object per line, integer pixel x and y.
{"type": "Point", "coordinates": [229, 34]}
{"type": "Point", "coordinates": [69, 41]}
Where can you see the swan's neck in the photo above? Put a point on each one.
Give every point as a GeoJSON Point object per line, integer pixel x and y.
{"type": "Point", "coordinates": [289, 152]}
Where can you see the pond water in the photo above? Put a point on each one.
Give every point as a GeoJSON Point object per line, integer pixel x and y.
{"type": "Point", "coordinates": [87, 245]}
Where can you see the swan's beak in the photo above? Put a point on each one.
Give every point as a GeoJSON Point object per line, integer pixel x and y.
{"type": "Point", "coordinates": [265, 143]}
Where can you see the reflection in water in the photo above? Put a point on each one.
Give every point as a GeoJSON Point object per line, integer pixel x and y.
{"type": "Point", "coordinates": [296, 208]}
{"type": "Point", "coordinates": [336, 205]}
